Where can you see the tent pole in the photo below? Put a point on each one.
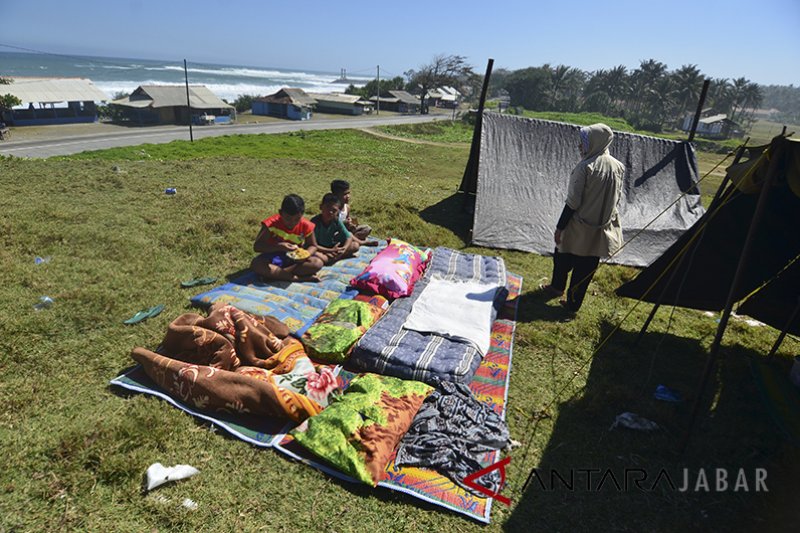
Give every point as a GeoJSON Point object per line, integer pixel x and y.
{"type": "Point", "coordinates": [699, 109]}
{"type": "Point", "coordinates": [726, 313]}
{"type": "Point", "coordinates": [785, 329]}
{"type": "Point", "coordinates": [470, 179]}
{"type": "Point", "coordinates": [657, 304]}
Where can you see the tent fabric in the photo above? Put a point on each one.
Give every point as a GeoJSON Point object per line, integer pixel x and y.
{"type": "Point", "coordinates": [776, 302]}
{"type": "Point", "coordinates": [523, 170]}
{"type": "Point", "coordinates": [702, 279]}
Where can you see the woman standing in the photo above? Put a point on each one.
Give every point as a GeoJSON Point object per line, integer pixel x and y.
{"type": "Point", "coordinates": [589, 227]}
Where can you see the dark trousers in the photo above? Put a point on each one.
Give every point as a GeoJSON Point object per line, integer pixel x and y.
{"type": "Point", "coordinates": [582, 269]}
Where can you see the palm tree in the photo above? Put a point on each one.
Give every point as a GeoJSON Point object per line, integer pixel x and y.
{"type": "Point", "coordinates": [617, 87]}
{"type": "Point", "coordinates": [688, 84]}
{"type": "Point", "coordinates": [752, 95]}
{"type": "Point", "coordinates": [595, 93]}
{"type": "Point", "coordinates": [738, 88]}
{"type": "Point", "coordinates": [719, 95]}
{"type": "Point", "coordinates": [644, 78]}
{"type": "Point", "coordinates": [566, 85]}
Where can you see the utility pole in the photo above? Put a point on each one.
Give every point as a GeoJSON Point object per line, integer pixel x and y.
{"type": "Point", "coordinates": [188, 103]}
{"type": "Point", "coordinates": [378, 100]}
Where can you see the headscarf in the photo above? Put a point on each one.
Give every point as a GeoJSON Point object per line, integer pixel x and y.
{"type": "Point", "coordinates": [595, 139]}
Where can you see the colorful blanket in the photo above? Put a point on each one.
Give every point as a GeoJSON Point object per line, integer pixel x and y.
{"type": "Point", "coordinates": [234, 362]}
{"type": "Point", "coordinates": [295, 304]}
{"type": "Point", "coordinates": [359, 430]}
{"type": "Point", "coordinates": [489, 385]}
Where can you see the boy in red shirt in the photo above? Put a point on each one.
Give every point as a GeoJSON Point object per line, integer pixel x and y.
{"type": "Point", "coordinates": [282, 236]}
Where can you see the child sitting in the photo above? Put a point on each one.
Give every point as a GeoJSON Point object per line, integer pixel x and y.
{"type": "Point", "coordinates": [341, 189]}
{"type": "Point", "coordinates": [334, 242]}
{"type": "Point", "coordinates": [283, 236]}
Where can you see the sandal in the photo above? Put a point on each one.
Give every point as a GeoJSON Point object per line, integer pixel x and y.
{"type": "Point", "coordinates": [197, 281]}
{"type": "Point", "coordinates": [144, 314]}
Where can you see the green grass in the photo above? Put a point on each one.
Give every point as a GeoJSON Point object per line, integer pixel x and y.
{"type": "Point", "coordinates": [763, 131]}
{"type": "Point", "coordinates": [441, 131]}
{"type": "Point", "coordinates": [75, 450]}
{"type": "Point", "coordinates": [582, 119]}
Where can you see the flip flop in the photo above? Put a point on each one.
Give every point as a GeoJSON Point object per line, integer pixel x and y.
{"type": "Point", "coordinates": [197, 281]}
{"type": "Point", "coordinates": [144, 314]}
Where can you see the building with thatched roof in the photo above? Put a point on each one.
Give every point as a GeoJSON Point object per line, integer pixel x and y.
{"type": "Point", "coordinates": [166, 104]}
{"type": "Point", "coordinates": [398, 101]}
{"type": "Point", "coordinates": [52, 101]}
{"type": "Point", "coordinates": [291, 103]}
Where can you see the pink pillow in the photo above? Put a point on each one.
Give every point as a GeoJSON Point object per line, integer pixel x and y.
{"type": "Point", "coordinates": [393, 272]}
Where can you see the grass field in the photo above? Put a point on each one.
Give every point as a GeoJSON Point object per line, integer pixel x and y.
{"type": "Point", "coordinates": [75, 451]}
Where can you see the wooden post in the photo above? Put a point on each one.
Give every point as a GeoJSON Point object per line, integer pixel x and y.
{"type": "Point", "coordinates": [726, 313]}
{"type": "Point", "coordinates": [699, 109]}
{"type": "Point", "coordinates": [470, 179]}
{"type": "Point", "coordinates": [188, 103]}
{"type": "Point", "coordinates": [780, 338]}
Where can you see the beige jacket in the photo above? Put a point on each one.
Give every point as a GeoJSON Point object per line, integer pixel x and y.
{"type": "Point", "coordinates": [594, 192]}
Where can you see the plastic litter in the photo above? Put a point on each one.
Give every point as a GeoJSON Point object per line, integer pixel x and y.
{"type": "Point", "coordinates": [158, 474]}
{"type": "Point", "coordinates": [45, 302]}
{"type": "Point", "coordinates": [189, 504]}
{"type": "Point", "coordinates": [170, 190]}
{"type": "Point", "coordinates": [41, 260]}
{"type": "Point", "coordinates": [665, 394]}
{"type": "Point", "coordinates": [633, 421]}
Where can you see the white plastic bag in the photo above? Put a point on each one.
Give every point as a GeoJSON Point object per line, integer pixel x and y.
{"type": "Point", "coordinates": [158, 474]}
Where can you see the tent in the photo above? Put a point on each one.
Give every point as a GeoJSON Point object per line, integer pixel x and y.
{"type": "Point", "coordinates": [746, 247]}
{"type": "Point", "coordinates": [697, 271]}
{"type": "Point", "coordinates": [521, 182]}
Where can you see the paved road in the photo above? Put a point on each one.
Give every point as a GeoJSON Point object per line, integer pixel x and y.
{"type": "Point", "coordinates": [158, 135]}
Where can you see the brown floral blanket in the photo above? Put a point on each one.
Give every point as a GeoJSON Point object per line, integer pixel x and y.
{"type": "Point", "coordinates": [235, 362]}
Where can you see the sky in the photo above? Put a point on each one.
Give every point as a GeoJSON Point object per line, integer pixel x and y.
{"type": "Point", "coordinates": [725, 39]}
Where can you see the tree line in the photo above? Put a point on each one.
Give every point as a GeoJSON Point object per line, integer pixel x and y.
{"type": "Point", "coordinates": [650, 97]}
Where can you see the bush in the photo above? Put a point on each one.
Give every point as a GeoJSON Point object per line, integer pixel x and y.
{"type": "Point", "coordinates": [243, 102]}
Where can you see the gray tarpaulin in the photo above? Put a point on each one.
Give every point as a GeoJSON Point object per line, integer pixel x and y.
{"type": "Point", "coordinates": [522, 184]}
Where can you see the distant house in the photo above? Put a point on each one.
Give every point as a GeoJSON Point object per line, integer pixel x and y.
{"type": "Point", "coordinates": [446, 97]}
{"type": "Point", "coordinates": [166, 104]}
{"type": "Point", "coordinates": [52, 101]}
{"type": "Point", "coordinates": [293, 104]}
{"type": "Point", "coordinates": [714, 126]}
{"type": "Point", "coordinates": [344, 104]}
{"type": "Point", "coordinates": [398, 101]}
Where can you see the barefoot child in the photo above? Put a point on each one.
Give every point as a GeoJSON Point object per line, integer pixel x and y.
{"type": "Point", "coordinates": [334, 242]}
{"type": "Point", "coordinates": [283, 236]}
{"type": "Point", "coordinates": [341, 189]}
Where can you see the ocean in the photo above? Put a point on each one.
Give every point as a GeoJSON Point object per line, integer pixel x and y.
{"type": "Point", "coordinates": [117, 75]}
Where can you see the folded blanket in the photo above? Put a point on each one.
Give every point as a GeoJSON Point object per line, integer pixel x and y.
{"type": "Point", "coordinates": [338, 328]}
{"type": "Point", "coordinates": [458, 310]}
{"type": "Point", "coordinates": [231, 361]}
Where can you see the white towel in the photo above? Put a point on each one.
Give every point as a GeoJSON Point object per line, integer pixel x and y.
{"type": "Point", "coordinates": [458, 310]}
